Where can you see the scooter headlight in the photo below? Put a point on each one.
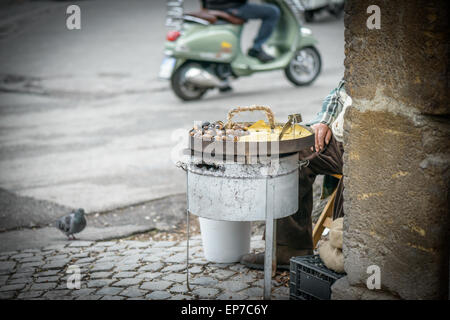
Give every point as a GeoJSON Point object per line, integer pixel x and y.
{"type": "Point", "coordinates": [306, 31]}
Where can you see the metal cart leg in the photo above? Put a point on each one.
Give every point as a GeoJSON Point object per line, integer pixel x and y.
{"type": "Point", "coordinates": [270, 257]}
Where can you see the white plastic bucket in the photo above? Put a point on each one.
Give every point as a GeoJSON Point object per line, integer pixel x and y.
{"type": "Point", "coordinates": [225, 241]}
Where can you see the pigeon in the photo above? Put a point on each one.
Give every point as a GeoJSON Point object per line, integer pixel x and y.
{"type": "Point", "coordinates": [72, 223]}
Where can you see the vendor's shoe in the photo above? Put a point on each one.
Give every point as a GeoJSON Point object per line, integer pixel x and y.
{"type": "Point", "coordinates": [260, 55]}
{"type": "Point", "coordinates": [284, 255]}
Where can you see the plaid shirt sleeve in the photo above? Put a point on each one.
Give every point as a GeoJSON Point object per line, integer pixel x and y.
{"type": "Point", "coordinates": [331, 107]}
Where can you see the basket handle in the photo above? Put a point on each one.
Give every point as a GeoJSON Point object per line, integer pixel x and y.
{"type": "Point", "coordinates": [235, 111]}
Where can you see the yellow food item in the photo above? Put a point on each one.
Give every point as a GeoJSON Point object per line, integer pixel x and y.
{"type": "Point", "coordinates": [260, 125]}
{"type": "Point", "coordinates": [261, 131]}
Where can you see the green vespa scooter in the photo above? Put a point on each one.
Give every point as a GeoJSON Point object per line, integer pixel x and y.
{"type": "Point", "coordinates": [205, 52]}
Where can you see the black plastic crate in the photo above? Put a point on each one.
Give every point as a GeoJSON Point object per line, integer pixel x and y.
{"type": "Point", "coordinates": [310, 279]}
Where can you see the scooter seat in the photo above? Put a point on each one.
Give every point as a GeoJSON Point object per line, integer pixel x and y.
{"type": "Point", "coordinates": [213, 15]}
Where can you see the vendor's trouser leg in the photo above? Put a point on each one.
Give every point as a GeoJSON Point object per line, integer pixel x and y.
{"type": "Point", "coordinates": [295, 231]}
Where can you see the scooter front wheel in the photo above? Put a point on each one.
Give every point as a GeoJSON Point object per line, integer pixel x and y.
{"type": "Point", "coordinates": [304, 67]}
{"type": "Point", "coordinates": [183, 89]}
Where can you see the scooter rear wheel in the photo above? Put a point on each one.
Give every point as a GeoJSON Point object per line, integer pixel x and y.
{"type": "Point", "coordinates": [184, 90]}
{"type": "Point", "coordinates": [304, 67]}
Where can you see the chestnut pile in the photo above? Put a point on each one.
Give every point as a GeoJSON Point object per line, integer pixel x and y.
{"type": "Point", "coordinates": [216, 131]}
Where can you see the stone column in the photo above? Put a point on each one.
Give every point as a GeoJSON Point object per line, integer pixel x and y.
{"type": "Point", "coordinates": [397, 153]}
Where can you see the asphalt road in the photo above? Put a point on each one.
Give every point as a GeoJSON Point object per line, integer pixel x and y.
{"type": "Point", "coordinates": [84, 122]}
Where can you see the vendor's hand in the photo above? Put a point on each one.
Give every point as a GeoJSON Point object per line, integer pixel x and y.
{"type": "Point", "coordinates": [322, 134]}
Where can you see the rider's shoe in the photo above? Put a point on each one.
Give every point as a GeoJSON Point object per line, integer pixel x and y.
{"type": "Point", "coordinates": [260, 55]}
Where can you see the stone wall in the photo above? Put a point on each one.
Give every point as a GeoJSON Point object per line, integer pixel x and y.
{"type": "Point", "coordinates": [397, 151]}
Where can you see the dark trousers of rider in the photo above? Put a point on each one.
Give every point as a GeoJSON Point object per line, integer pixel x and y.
{"type": "Point", "coordinates": [295, 231]}
{"type": "Point", "coordinates": [268, 13]}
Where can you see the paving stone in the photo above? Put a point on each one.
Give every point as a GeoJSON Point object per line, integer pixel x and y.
{"type": "Point", "coordinates": [127, 282]}
{"type": "Point", "coordinates": [10, 253]}
{"type": "Point", "coordinates": [232, 296]}
{"type": "Point", "coordinates": [205, 293]}
{"type": "Point", "coordinates": [219, 265]}
{"type": "Point", "coordinates": [57, 257]}
{"type": "Point", "coordinates": [177, 258]}
{"type": "Point", "coordinates": [109, 254]}
{"type": "Point", "coordinates": [138, 244]}
{"type": "Point", "coordinates": [57, 294]}
{"type": "Point", "coordinates": [128, 267]}
{"type": "Point", "coordinates": [133, 292]}
{"type": "Point", "coordinates": [246, 277]}
{"type": "Point", "coordinates": [163, 244]}
{"type": "Point", "coordinates": [32, 264]}
{"type": "Point", "coordinates": [32, 259]}
{"type": "Point", "coordinates": [125, 274]}
{"type": "Point", "coordinates": [181, 288]}
{"type": "Point", "coordinates": [117, 247]}
{"type": "Point", "coordinates": [7, 266]}
{"type": "Point", "coordinates": [80, 255]}
{"type": "Point", "coordinates": [80, 244]}
{"type": "Point", "coordinates": [90, 297]}
{"type": "Point", "coordinates": [22, 255]}
{"type": "Point", "coordinates": [132, 259]}
{"type": "Point", "coordinates": [239, 268]}
{"type": "Point", "coordinates": [21, 281]}
{"type": "Point", "coordinates": [99, 283]}
{"type": "Point", "coordinates": [195, 242]}
{"type": "Point", "coordinates": [43, 286]}
{"type": "Point", "coordinates": [54, 247]}
{"type": "Point", "coordinates": [156, 285]}
{"type": "Point", "coordinates": [105, 243]}
{"type": "Point", "coordinates": [21, 275]}
{"type": "Point", "coordinates": [6, 295]}
{"type": "Point", "coordinates": [85, 260]}
{"type": "Point", "coordinates": [148, 275]}
{"type": "Point", "coordinates": [152, 258]}
{"type": "Point", "coordinates": [31, 250]}
{"type": "Point", "coordinates": [174, 268]}
{"type": "Point", "coordinates": [47, 273]}
{"type": "Point", "coordinates": [281, 291]}
{"type": "Point", "coordinates": [82, 292]}
{"type": "Point", "coordinates": [204, 281]}
{"type": "Point", "coordinates": [200, 261]}
{"type": "Point", "coordinates": [158, 295]}
{"type": "Point", "coordinates": [233, 286]}
{"type": "Point", "coordinates": [112, 298]}
{"type": "Point", "coordinates": [156, 266]}
{"type": "Point", "coordinates": [181, 297]}
{"type": "Point", "coordinates": [57, 264]}
{"type": "Point", "coordinates": [222, 274]}
{"type": "Point", "coordinates": [102, 267]}
{"type": "Point", "coordinates": [253, 292]}
{"type": "Point", "coordinates": [109, 291]}
{"type": "Point", "coordinates": [175, 277]}
{"type": "Point", "coordinates": [196, 269]}
{"type": "Point", "coordinates": [47, 279]}
{"type": "Point", "coordinates": [111, 259]}
{"type": "Point", "coordinates": [178, 249]}
{"type": "Point", "coordinates": [12, 287]}
{"type": "Point", "coordinates": [22, 269]}
{"type": "Point", "coordinates": [100, 275]}
{"type": "Point", "coordinates": [30, 294]}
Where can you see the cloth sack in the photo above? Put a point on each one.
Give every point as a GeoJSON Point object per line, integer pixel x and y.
{"type": "Point", "coordinates": [330, 251]}
{"type": "Point", "coordinates": [336, 233]}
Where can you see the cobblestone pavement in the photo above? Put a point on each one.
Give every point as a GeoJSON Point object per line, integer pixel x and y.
{"type": "Point", "coordinates": [126, 269]}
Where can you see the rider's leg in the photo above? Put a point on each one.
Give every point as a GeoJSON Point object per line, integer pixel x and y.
{"type": "Point", "coordinates": [269, 14]}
